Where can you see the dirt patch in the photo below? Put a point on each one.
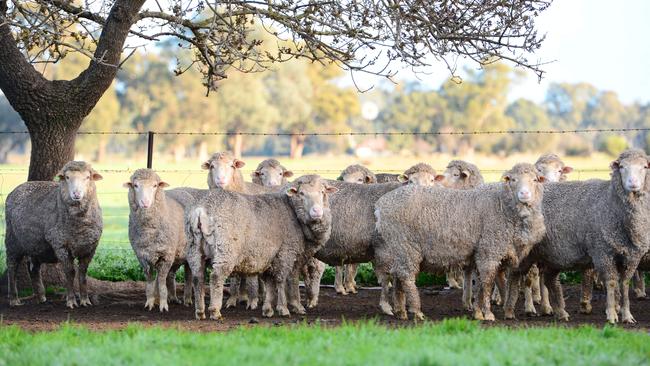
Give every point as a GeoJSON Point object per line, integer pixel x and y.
{"type": "Point", "coordinates": [117, 309]}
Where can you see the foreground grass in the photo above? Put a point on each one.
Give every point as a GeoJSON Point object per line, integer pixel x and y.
{"type": "Point", "coordinates": [453, 341]}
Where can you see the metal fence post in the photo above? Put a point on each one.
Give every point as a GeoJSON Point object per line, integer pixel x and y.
{"type": "Point", "coordinates": [150, 150]}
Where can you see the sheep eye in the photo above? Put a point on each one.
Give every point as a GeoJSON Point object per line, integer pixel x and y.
{"type": "Point", "coordinates": [155, 185]}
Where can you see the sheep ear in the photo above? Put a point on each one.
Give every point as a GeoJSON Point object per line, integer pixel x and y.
{"type": "Point", "coordinates": [292, 191]}
{"type": "Point", "coordinates": [255, 173]}
{"type": "Point", "coordinates": [287, 174]}
{"type": "Point", "coordinates": [163, 184]}
{"type": "Point", "coordinates": [59, 177]}
{"type": "Point", "coordinates": [96, 176]}
{"type": "Point", "coordinates": [439, 178]}
{"type": "Point", "coordinates": [331, 189]}
{"type": "Point", "coordinates": [368, 179]}
{"type": "Point", "coordinates": [506, 178]}
{"type": "Point", "coordinates": [541, 179]}
{"type": "Point", "coordinates": [127, 185]}
{"type": "Point", "coordinates": [340, 177]}
{"type": "Point", "coordinates": [238, 164]}
{"type": "Point", "coordinates": [567, 170]}
{"type": "Point", "coordinates": [615, 165]}
{"type": "Point", "coordinates": [402, 178]}
{"type": "Point", "coordinates": [464, 174]}
{"type": "Point", "coordinates": [206, 165]}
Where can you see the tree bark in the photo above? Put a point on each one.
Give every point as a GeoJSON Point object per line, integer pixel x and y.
{"type": "Point", "coordinates": [101, 149]}
{"type": "Point", "coordinates": [297, 146]}
{"type": "Point", "coordinates": [236, 143]}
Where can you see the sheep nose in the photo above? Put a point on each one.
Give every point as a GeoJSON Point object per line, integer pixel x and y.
{"type": "Point", "coordinates": [220, 181]}
{"type": "Point", "coordinates": [76, 195]}
{"type": "Point", "coordinates": [316, 212]}
{"type": "Point", "coordinates": [524, 195]}
{"type": "Point", "coordinates": [145, 203]}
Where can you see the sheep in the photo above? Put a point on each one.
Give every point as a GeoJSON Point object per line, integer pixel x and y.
{"type": "Point", "coordinates": [157, 236]}
{"type": "Point", "coordinates": [603, 224]}
{"type": "Point", "coordinates": [270, 173]}
{"type": "Point", "coordinates": [554, 170]}
{"type": "Point", "coordinates": [269, 234]}
{"type": "Point", "coordinates": [431, 228]}
{"type": "Point", "coordinates": [344, 275]}
{"type": "Point", "coordinates": [50, 222]}
{"type": "Point", "coordinates": [386, 177]}
{"type": "Point", "coordinates": [353, 228]}
{"type": "Point", "coordinates": [224, 171]}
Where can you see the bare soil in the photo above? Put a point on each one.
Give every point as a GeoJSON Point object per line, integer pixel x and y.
{"type": "Point", "coordinates": [122, 304]}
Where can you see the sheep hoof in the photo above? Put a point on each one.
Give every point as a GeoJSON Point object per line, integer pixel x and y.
{"type": "Point", "coordinates": [187, 301]}
{"type": "Point", "coordinates": [341, 291]}
{"type": "Point", "coordinates": [232, 302]}
{"type": "Point", "coordinates": [299, 309]}
{"type": "Point", "coordinates": [267, 313]}
{"type": "Point", "coordinates": [252, 305]}
{"type": "Point", "coordinates": [351, 290]}
{"type": "Point", "coordinates": [419, 316]}
{"type": "Point", "coordinates": [164, 307]}
{"type": "Point", "coordinates": [149, 305]}
{"type": "Point", "coordinates": [175, 300]}
{"type": "Point", "coordinates": [537, 300]}
{"type": "Point", "coordinates": [312, 304]}
{"type": "Point", "coordinates": [629, 319]}
{"type": "Point", "coordinates": [509, 315]}
{"type": "Point", "coordinates": [71, 303]}
{"type": "Point", "coordinates": [386, 308]}
{"type": "Point", "coordinates": [215, 315]}
{"type": "Point", "coordinates": [488, 317]}
{"type": "Point", "coordinates": [531, 313]}
{"type": "Point", "coordinates": [85, 302]}
{"type": "Point", "coordinates": [562, 316]}
{"type": "Point", "coordinates": [585, 308]}
{"type": "Point", "coordinates": [41, 299]}
{"type": "Point", "coordinates": [640, 295]}
{"type": "Point", "coordinates": [199, 315]}
{"type": "Point", "coordinates": [547, 310]}
{"type": "Point", "coordinates": [15, 302]}
{"type": "Point", "coordinates": [283, 311]}
{"type": "Point", "coordinates": [612, 316]}
{"type": "Point", "coordinates": [478, 314]}
{"type": "Point", "coordinates": [401, 315]}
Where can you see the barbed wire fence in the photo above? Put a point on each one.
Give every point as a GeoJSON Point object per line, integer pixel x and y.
{"type": "Point", "coordinates": [121, 244]}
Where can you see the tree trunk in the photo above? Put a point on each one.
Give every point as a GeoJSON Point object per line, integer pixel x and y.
{"type": "Point", "coordinates": [51, 149]}
{"type": "Point", "coordinates": [236, 143]}
{"type": "Point", "coordinates": [101, 149]}
{"type": "Point", "coordinates": [297, 146]}
{"type": "Point", "coordinates": [203, 151]}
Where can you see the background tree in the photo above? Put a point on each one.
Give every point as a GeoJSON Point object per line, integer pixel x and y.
{"type": "Point", "coordinates": [357, 35]}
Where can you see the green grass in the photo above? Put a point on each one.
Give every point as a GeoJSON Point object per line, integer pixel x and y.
{"type": "Point", "coordinates": [452, 341]}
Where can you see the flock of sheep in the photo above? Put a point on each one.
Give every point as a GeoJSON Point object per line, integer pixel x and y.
{"type": "Point", "coordinates": [489, 238]}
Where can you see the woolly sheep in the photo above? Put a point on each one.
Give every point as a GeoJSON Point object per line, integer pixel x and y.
{"type": "Point", "coordinates": [157, 236]}
{"type": "Point", "coordinates": [269, 234]}
{"type": "Point", "coordinates": [432, 229]}
{"type": "Point", "coordinates": [344, 275]}
{"type": "Point", "coordinates": [604, 223]}
{"type": "Point", "coordinates": [270, 173]}
{"type": "Point", "coordinates": [386, 177]}
{"type": "Point", "coordinates": [50, 222]}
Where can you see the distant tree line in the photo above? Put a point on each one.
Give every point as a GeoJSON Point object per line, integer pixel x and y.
{"type": "Point", "coordinates": [302, 97]}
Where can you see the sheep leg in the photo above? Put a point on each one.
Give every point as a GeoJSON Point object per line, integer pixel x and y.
{"type": "Point", "coordinates": [161, 283]}
{"type": "Point", "coordinates": [234, 289]}
{"type": "Point", "coordinates": [338, 280]}
{"type": "Point", "coordinates": [12, 270]}
{"type": "Point", "coordinates": [68, 268]}
{"type": "Point", "coordinates": [536, 285]}
{"type": "Point", "coordinates": [171, 285]}
{"type": "Point", "coordinates": [252, 286]}
{"type": "Point", "coordinates": [639, 285]}
{"type": "Point", "coordinates": [552, 282]}
{"type": "Point", "coordinates": [37, 281]}
{"type": "Point", "coordinates": [586, 290]}
{"type": "Point", "coordinates": [487, 274]}
{"type": "Point", "coordinates": [626, 315]}
{"type": "Point", "coordinates": [412, 297]}
{"type": "Point", "coordinates": [314, 273]}
{"type": "Point", "coordinates": [545, 306]}
{"type": "Point", "coordinates": [531, 280]}
{"type": "Point", "coordinates": [217, 279]}
{"type": "Point", "coordinates": [452, 278]}
{"type": "Point", "coordinates": [198, 284]}
{"type": "Point", "coordinates": [150, 287]}
{"type": "Point", "coordinates": [467, 288]}
{"type": "Point", "coordinates": [187, 287]}
{"type": "Point", "coordinates": [501, 287]}
{"type": "Point", "coordinates": [384, 281]}
{"type": "Point", "coordinates": [83, 283]}
{"type": "Point", "coordinates": [294, 292]}
{"type": "Point", "coordinates": [350, 273]}
{"type": "Point", "coordinates": [270, 292]}
{"type": "Point", "coordinates": [514, 284]}
{"type": "Point", "coordinates": [399, 299]}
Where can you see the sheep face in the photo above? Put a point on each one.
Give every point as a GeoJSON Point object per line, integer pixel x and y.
{"type": "Point", "coordinates": [525, 183]}
{"type": "Point", "coordinates": [553, 171]}
{"type": "Point", "coordinates": [77, 180]}
{"type": "Point", "coordinates": [357, 177]}
{"type": "Point", "coordinates": [145, 190]}
{"type": "Point", "coordinates": [310, 197]}
{"type": "Point", "coordinates": [454, 177]}
{"type": "Point", "coordinates": [632, 171]}
{"type": "Point", "coordinates": [271, 175]}
{"type": "Point", "coordinates": [423, 178]}
{"type": "Point", "coordinates": [222, 168]}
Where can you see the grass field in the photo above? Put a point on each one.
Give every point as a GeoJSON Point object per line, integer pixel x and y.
{"type": "Point", "coordinates": [115, 260]}
{"type": "Point", "coordinates": [450, 342]}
